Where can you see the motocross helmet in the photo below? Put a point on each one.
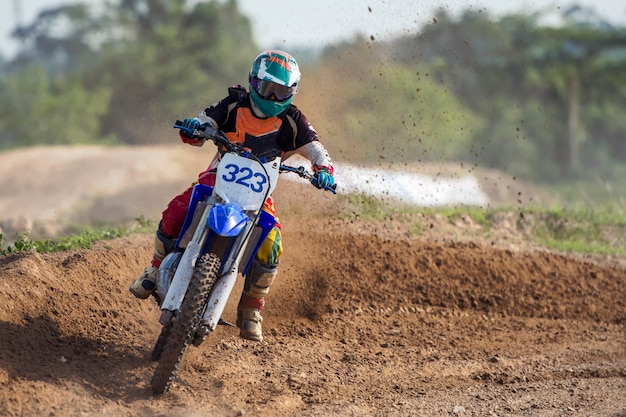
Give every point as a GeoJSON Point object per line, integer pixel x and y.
{"type": "Point", "coordinates": [274, 78]}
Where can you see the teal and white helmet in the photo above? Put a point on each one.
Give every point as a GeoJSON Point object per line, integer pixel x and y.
{"type": "Point", "coordinates": [274, 78]}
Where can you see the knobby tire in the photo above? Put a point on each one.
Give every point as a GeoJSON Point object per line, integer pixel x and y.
{"type": "Point", "coordinates": [160, 343]}
{"type": "Point", "coordinates": [186, 323]}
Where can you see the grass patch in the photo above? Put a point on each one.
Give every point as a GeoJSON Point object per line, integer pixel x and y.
{"type": "Point", "coordinates": [372, 208]}
{"type": "Point", "coordinates": [591, 229]}
{"type": "Point", "coordinates": [366, 207]}
{"type": "Point", "coordinates": [595, 230]}
{"type": "Point", "coordinates": [81, 240]}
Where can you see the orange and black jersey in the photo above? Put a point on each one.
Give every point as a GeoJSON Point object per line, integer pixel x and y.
{"type": "Point", "coordinates": [270, 137]}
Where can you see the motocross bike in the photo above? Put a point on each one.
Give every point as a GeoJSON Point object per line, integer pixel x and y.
{"type": "Point", "coordinates": [222, 232]}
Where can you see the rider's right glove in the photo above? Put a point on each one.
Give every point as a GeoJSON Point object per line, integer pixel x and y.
{"type": "Point", "coordinates": [323, 178]}
{"type": "Point", "coordinates": [190, 124]}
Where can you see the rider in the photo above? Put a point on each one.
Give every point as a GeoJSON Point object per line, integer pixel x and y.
{"type": "Point", "coordinates": [266, 122]}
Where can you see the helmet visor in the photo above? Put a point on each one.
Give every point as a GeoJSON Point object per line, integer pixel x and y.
{"type": "Point", "coordinates": [269, 90]}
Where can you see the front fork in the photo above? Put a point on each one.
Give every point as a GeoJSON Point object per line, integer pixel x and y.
{"type": "Point", "coordinates": [175, 290]}
{"type": "Point", "coordinates": [184, 264]}
{"type": "Point", "coordinates": [178, 287]}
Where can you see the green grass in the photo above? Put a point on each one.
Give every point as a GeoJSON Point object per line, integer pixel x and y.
{"type": "Point", "coordinates": [592, 229]}
{"type": "Point", "coordinates": [597, 230]}
{"type": "Point", "coordinates": [368, 207]}
{"type": "Point", "coordinates": [81, 240]}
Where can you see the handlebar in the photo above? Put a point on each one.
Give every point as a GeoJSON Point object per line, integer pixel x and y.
{"type": "Point", "coordinates": [207, 131]}
{"type": "Point", "coordinates": [303, 173]}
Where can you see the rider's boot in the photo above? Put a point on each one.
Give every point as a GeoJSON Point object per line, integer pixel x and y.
{"type": "Point", "coordinates": [256, 287]}
{"type": "Point", "coordinates": [145, 285]}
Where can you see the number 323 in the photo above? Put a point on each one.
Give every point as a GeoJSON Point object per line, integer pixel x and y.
{"type": "Point", "coordinates": [246, 177]}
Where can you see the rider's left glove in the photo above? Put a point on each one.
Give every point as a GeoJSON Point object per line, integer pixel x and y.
{"type": "Point", "coordinates": [190, 124]}
{"type": "Point", "coordinates": [323, 178]}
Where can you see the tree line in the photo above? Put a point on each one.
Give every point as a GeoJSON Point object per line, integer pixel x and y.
{"type": "Point", "coordinates": [544, 103]}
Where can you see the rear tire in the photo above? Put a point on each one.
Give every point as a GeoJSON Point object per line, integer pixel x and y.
{"type": "Point", "coordinates": [185, 324]}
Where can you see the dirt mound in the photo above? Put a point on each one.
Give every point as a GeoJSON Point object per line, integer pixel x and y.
{"type": "Point", "coordinates": [356, 325]}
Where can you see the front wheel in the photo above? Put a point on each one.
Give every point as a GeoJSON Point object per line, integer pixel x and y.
{"type": "Point", "coordinates": [186, 323]}
{"type": "Point", "coordinates": [161, 341]}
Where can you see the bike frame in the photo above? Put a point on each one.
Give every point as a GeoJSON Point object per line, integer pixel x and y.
{"type": "Point", "coordinates": [228, 220]}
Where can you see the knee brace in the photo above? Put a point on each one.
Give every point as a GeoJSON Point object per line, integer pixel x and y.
{"type": "Point", "coordinates": [163, 244]}
{"type": "Point", "coordinates": [259, 279]}
{"type": "Point", "coordinates": [271, 248]}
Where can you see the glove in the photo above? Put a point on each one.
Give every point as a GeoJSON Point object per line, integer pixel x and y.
{"type": "Point", "coordinates": [323, 178]}
{"type": "Point", "coordinates": [190, 124]}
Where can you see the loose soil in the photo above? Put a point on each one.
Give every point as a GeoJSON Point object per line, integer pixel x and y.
{"type": "Point", "coordinates": [365, 319]}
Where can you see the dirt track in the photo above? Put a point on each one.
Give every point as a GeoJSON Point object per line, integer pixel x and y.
{"type": "Point", "coordinates": [363, 321]}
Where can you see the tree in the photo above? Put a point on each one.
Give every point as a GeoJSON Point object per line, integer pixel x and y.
{"type": "Point", "coordinates": [39, 109]}
{"type": "Point", "coordinates": [59, 39]}
{"type": "Point", "coordinates": [479, 61]}
{"type": "Point", "coordinates": [581, 62]}
{"type": "Point", "coordinates": [539, 82]}
{"type": "Point", "coordinates": [391, 111]}
{"type": "Point", "coordinates": [169, 61]}
{"type": "Point", "coordinates": [138, 64]}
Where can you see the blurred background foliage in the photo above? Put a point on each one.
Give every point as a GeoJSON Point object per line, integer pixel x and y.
{"type": "Point", "coordinates": [545, 104]}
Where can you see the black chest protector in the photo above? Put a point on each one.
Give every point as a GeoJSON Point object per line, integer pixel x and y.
{"type": "Point", "coordinates": [261, 136]}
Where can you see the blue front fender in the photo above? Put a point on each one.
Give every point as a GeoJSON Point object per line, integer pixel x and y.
{"type": "Point", "coordinates": [227, 219]}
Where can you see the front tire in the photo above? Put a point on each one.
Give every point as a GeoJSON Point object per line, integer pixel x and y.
{"type": "Point", "coordinates": [160, 343]}
{"type": "Point", "coordinates": [186, 323]}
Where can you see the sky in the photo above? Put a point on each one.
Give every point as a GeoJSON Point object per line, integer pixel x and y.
{"type": "Point", "coordinates": [289, 23]}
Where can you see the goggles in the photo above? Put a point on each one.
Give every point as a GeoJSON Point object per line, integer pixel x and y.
{"type": "Point", "coordinates": [269, 90]}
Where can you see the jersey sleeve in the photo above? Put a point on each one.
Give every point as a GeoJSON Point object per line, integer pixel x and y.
{"type": "Point", "coordinates": [216, 113]}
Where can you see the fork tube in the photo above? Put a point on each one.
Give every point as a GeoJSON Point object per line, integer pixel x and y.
{"type": "Point", "coordinates": [182, 277]}
{"type": "Point", "coordinates": [219, 297]}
